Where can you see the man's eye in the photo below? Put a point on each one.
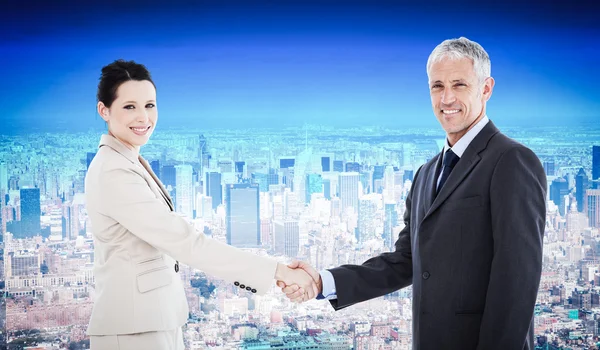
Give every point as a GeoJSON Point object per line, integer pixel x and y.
{"type": "Point", "coordinates": [129, 107]}
{"type": "Point", "coordinates": [150, 105]}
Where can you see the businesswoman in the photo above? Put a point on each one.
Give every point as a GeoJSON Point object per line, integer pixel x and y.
{"type": "Point", "coordinates": [139, 240]}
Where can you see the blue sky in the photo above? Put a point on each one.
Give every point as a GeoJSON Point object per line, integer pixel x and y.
{"type": "Point", "coordinates": [270, 64]}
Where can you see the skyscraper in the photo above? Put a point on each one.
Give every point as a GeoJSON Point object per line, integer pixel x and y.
{"type": "Point", "coordinates": [214, 189]}
{"type": "Point", "coordinates": [287, 238]}
{"type": "Point", "coordinates": [3, 178]}
{"type": "Point", "coordinates": [558, 189]}
{"type": "Point", "coordinates": [325, 164]}
{"type": "Point", "coordinates": [581, 185]}
{"type": "Point", "coordinates": [349, 190]}
{"type": "Point", "coordinates": [366, 219]}
{"type": "Point", "coordinates": [377, 175]}
{"type": "Point", "coordinates": [155, 165]}
{"type": "Point", "coordinates": [327, 188]}
{"type": "Point", "coordinates": [286, 162]}
{"type": "Point", "coordinates": [549, 168]}
{"type": "Point", "coordinates": [184, 190]}
{"type": "Point", "coordinates": [243, 215]}
{"type": "Point", "coordinates": [90, 156]}
{"type": "Point", "coordinates": [390, 221]}
{"type": "Point", "coordinates": [338, 165]}
{"type": "Point", "coordinates": [593, 207]}
{"type": "Point", "coordinates": [408, 175]}
{"type": "Point", "coordinates": [595, 162]}
{"type": "Point", "coordinates": [314, 184]}
{"type": "Point", "coordinates": [31, 212]}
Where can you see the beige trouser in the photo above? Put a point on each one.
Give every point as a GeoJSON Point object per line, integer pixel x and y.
{"type": "Point", "coordinates": [168, 340]}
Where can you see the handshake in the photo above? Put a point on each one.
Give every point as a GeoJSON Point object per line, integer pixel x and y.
{"type": "Point", "coordinates": [299, 281]}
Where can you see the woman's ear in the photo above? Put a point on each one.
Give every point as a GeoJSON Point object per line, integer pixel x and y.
{"type": "Point", "coordinates": [103, 111]}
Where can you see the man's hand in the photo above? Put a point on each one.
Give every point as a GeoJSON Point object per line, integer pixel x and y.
{"type": "Point", "coordinates": [295, 292]}
{"type": "Point", "coordinates": [303, 284]}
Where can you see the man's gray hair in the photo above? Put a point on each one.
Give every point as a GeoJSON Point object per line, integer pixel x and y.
{"type": "Point", "coordinates": [463, 48]}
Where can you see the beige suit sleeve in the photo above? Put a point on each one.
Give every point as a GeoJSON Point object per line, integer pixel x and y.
{"type": "Point", "coordinates": [129, 201]}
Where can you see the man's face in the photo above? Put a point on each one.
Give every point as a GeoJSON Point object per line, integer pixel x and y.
{"type": "Point", "coordinates": [457, 96]}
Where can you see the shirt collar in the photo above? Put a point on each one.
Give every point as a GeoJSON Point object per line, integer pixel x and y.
{"type": "Point", "coordinates": [461, 145]}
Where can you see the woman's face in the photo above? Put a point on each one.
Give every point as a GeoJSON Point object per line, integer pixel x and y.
{"type": "Point", "coordinates": [133, 115]}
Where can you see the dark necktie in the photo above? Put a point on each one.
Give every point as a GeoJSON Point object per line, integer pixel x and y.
{"type": "Point", "coordinates": [450, 160]}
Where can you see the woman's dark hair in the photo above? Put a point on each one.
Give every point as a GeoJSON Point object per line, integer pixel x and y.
{"type": "Point", "coordinates": [115, 74]}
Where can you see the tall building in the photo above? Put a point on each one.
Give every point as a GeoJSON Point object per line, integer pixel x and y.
{"type": "Point", "coordinates": [23, 264]}
{"type": "Point", "coordinates": [203, 154]}
{"type": "Point", "coordinates": [549, 168]}
{"type": "Point", "coordinates": [155, 166]}
{"type": "Point", "coordinates": [31, 212]}
{"type": "Point", "coordinates": [581, 185]}
{"type": "Point", "coordinates": [89, 157]}
{"type": "Point", "coordinates": [286, 162]}
{"type": "Point", "coordinates": [366, 219]}
{"type": "Point", "coordinates": [169, 176]}
{"type": "Point", "coordinates": [408, 175]}
{"type": "Point", "coordinates": [242, 206]}
{"type": "Point", "coordinates": [558, 189]}
{"type": "Point", "coordinates": [325, 164]}
{"type": "Point", "coordinates": [184, 190]}
{"type": "Point", "coordinates": [314, 184]}
{"type": "Point", "coordinates": [287, 238]}
{"type": "Point", "coordinates": [389, 222]}
{"type": "Point", "coordinates": [593, 207]}
{"type": "Point", "coordinates": [262, 180]}
{"type": "Point", "coordinates": [338, 165]}
{"type": "Point", "coordinates": [352, 167]}
{"type": "Point", "coordinates": [327, 188]}
{"type": "Point", "coordinates": [378, 175]}
{"type": "Point", "coordinates": [213, 188]}
{"type": "Point", "coordinates": [595, 162]}
{"type": "Point", "coordinates": [3, 178]}
{"type": "Point", "coordinates": [349, 190]}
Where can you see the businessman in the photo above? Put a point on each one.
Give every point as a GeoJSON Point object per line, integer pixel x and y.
{"type": "Point", "coordinates": [474, 223]}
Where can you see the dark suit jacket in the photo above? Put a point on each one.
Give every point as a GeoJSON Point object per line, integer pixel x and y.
{"type": "Point", "coordinates": [473, 253]}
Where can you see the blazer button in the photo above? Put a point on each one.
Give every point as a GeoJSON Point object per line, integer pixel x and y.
{"type": "Point", "coordinates": [236, 283]}
{"type": "Point", "coordinates": [248, 288]}
{"type": "Point", "coordinates": [425, 275]}
{"type": "Point", "coordinates": [242, 286]}
{"type": "Point", "coordinates": [253, 290]}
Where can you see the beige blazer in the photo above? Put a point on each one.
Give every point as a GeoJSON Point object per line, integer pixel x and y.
{"type": "Point", "coordinates": [137, 238]}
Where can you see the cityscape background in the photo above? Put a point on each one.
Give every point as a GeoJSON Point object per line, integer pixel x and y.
{"type": "Point", "coordinates": [291, 129]}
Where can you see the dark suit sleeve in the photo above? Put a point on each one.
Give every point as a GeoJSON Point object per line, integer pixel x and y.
{"type": "Point", "coordinates": [518, 214]}
{"type": "Point", "coordinates": [380, 275]}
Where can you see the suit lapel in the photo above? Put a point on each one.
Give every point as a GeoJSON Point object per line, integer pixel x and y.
{"type": "Point", "coordinates": [163, 190]}
{"type": "Point", "coordinates": [464, 166]}
{"type": "Point", "coordinates": [431, 182]}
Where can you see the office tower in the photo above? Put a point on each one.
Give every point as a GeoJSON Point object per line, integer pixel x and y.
{"type": "Point", "coordinates": [262, 180]}
{"type": "Point", "coordinates": [325, 164]}
{"type": "Point", "coordinates": [581, 185]}
{"type": "Point", "coordinates": [389, 182]}
{"type": "Point", "coordinates": [389, 222]}
{"type": "Point", "coordinates": [3, 179]}
{"type": "Point", "coordinates": [314, 184]}
{"type": "Point", "coordinates": [266, 232]}
{"type": "Point", "coordinates": [408, 175]}
{"type": "Point", "coordinates": [549, 168]}
{"type": "Point", "coordinates": [338, 165]}
{"type": "Point", "coordinates": [90, 156]}
{"type": "Point", "coordinates": [287, 238]}
{"type": "Point", "coordinates": [273, 178]}
{"type": "Point", "coordinates": [349, 191]}
{"type": "Point", "coordinates": [595, 162]}
{"type": "Point", "coordinates": [203, 154]}
{"type": "Point", "coordinates": [243, 223]}
{"type": "Point", "coordinates": [558, 189]}
{"type": "Point", "coordinates": [31, 212]}
{"type": "Point", "coordinates": [366, 219]}
{"type": "Point", "coordinates": [155, 166]}
{"type": "Point", "coordinates": [593, 207]}
{"type": "Point", "coordinates": [239, 167]}
{"type": "Point", "coordinates": [169, 176]}
{"type": "Point", "coordinates": [184, 190]}
{"type": "Point", "coordinates": [352, 167]}
{"type": "Point", "coordinates": [377, 186]}
{"type": "Point", "coordinates": [23, 264]}
{"type": "Point", "coordinates": [286, 162]}
{"type": "Point", "coordinates": [214, 189]}
{"type": "Point", "coordinates": [327, 188]}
